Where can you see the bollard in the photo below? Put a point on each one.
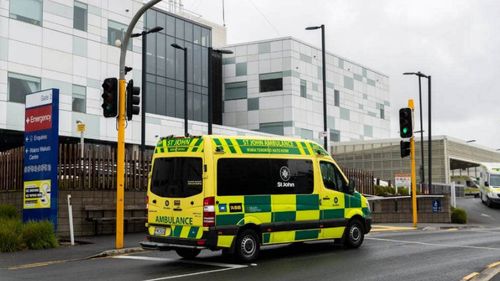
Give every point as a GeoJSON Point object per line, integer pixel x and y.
{"type": "Point", "coordinates": [70, 215]}
{"type": "Point", "coordinates": [453, 195]}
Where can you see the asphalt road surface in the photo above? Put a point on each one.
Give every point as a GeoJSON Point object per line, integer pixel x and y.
{"type": "Point", "coordinates": [478, 213]}
{"type": "Point", "coordinates": [411, 255]}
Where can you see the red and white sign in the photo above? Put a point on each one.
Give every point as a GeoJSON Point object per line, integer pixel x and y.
{"type": "Point", "coordinates": [38, 118]}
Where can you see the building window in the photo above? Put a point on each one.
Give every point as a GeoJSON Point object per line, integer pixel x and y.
{"type": "Point", "coordinates": [335, 135]}
{"type": "Point", "coordinates": [20, 85]}
{"type": "Point", "coordinates": [271, 82]}
{"type": "Point", "coordinates": [275, 128]}
{"type": "Point", "coordinates": [29, 11]}
{"type": "Point", "coordinates": [336, 95]}
{"type": "Point", "coordinates": [79, 99]}
{"type": "Point", "coordinates": [241, 69]}
{"type": "Point", "coordinates": [116, 31]}
{"type": "Point", "coordinates": [303, 88]}
{"type": "Point", "coordinates": [235, 91]}
{"type": "Point", "coordinates": [382, 112]}
{"type": "Point", "coordinates": [80, 16]}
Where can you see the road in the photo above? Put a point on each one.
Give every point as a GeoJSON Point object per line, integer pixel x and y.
{"type": "Point", "coordinates": [405, 255]}
{"type": "Point", "coordinates": [478, 213]}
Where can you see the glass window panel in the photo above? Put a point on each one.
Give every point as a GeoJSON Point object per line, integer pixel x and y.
{"type": "Point", "coordinates": [29, 11]}
{"type": "Point", "coordinates": [205, 34]}
{"type": "Point", "coordinates": [116, 31]}
{"type": "Point", "coordinates": [336, 97]}
{"type": "Point", "coordinates": [204, 68]}
{"type": "Point", "coordinates": [151, 54]}
{"type": "Point", "coordinates": [150, 19]}
{"type": "Point", "coordinates": [241, 69]}
{"type": "Point", "coordinates": [80, 16]}
{"type": "Point", "coordinates": [188, 31]}
{"type": "Point", "coordinates": [170, 26]}
{"type": "Point", "coordinates": [170, 101]}
{"type": "Point", "coordinates": [171, 52]}
{"type": "Point", "coordinates": [179, 62]}
{"type": "Point", "coordinates": [161, 20]}
{"type": "Point", "coordinates": [160, 54]}
{"type": "Point", "coordinates": [204, 108]}
{"type": "Point", "coordinates": [179, 103]}
{"type": "Point", "coordinates": [151, 99]}
{"type": "Point", "coordinates": [233, 91]}
{"type": "Point", "coordinates": [161, 100]}
{"type": "Point", "coordinates": [196, 34]}
{"type": "Point", "coordinates": [179, 28]}
{"type": "Point", "coordinates": [303, 88]}
{"type": "Point", "coordinates": [272, 128]}
{"type": "Point", "coordinates": [270, 85]}
{"type": "Point", "coordinates": [197, 107]}
{"type": "Point", "coordinates": [197, 66]}
{"type": "Point", "coordinates": [190, 69]}
{"type": "Point", "coordinates": [20, 85]}
{"type": "Point", "coordinates": [190, 105]}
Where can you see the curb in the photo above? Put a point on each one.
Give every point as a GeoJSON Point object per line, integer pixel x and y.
{"type": "Point", "coordinates": [116, 252]}
{"type": "Point", "coordinates": [487, 274]}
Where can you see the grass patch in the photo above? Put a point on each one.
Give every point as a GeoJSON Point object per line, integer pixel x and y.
{"type": "Point", "coordinates": [11, 235]}
{"type": "Point", "coordinates": [8, 212]}
{"type": "Point", "coordinates": [39, 235]}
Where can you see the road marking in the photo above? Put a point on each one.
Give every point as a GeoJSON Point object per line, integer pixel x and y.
{"type": "Point", "coordinates": [385, 228]}
{"type": "Point", "coordinates": [36, 264]}
{"type": "Point", "coordinates": [227, 265]}
{"type": "Point", "coordinates": [494, 264]}
{"type": "Point", "coordinates": [485, 215]}
{"type": "Point", "coordinates": [435, 245]}
{"type": "Point", "coordinates": [189, 274]}
{"type": "Point", "coordinates": [470, 276]}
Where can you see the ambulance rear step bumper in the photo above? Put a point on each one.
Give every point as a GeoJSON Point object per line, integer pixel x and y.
{"type": "Point", "coordinates": [147, 245]}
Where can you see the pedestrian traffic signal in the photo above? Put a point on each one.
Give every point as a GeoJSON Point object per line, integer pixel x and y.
{"type": "Point", "coordinates": [405, 148]}
{"type": "Point", "coordinates": [110, 97]}
{"type": "Point", "coordinates": [133, 100]}
{"type": "Point", "coordinates": [406, 122]}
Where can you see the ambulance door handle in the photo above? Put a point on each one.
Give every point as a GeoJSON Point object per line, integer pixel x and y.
{"type": "Point", "coordinates": [326, 198]}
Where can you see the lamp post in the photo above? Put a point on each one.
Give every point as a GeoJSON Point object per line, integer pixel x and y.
{"type": "Point", "coordinates": [324, 80]}
{"type": "Point", "coordinates": [177, 46]}
{"type": "Point", "coordinates": [210, 85]}
{"type": "Point", "coordinates": [143, 79]}
{"type": "Point", "coordinates": [419, 74]}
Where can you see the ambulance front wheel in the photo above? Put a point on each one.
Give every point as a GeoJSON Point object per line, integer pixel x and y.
{"type": "Point", "coordinates": [187, 253]}
{"type": "Point", "coordinates": [354, 234]}
{"type": "Point", "coordinates": [247, 246]}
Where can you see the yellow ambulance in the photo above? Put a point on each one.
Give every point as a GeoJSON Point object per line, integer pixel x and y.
{"type": "Point", "coordinates": [239, 193]}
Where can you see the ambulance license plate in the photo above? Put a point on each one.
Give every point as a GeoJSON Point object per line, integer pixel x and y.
{"type": "Point", "coordinates": [160, 231]}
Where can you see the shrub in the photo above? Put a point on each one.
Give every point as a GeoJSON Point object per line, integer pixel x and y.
{"type": "Point", "coordinates": [10, 235]}
{"type": "Point", "coordinates": [8, 212]}
{"type": "Point", "coordinates": [403, 191]}
{"type": "Point", "coordinates": [39, 235]}
{"type": "Point", "coordinates": [458, 216]}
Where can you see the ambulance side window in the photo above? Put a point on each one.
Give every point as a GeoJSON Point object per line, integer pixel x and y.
{"type": "Point", "coordinates": [332, 178]}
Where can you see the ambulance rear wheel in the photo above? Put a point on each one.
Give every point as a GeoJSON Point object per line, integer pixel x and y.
{"type": "Point", "coordinates": [354, 234]}
{"type": "Point", "coordinates": [187, 253]}
{"type": "Point", "coordinates": [247, 246]}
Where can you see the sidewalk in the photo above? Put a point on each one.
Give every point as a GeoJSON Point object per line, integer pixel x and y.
{"type": "Point", "coordinates": [383, 227]}
{"type": "Point", "coordinates": [93, 245]}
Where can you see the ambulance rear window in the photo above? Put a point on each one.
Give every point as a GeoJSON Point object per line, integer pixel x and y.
{"type": "Point", "coordinates": [177, 177]}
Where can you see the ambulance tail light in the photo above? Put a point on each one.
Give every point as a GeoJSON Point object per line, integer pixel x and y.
{"type": "Point", "coordinates": [209, 211]}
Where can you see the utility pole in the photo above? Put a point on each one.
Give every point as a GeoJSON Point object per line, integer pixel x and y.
{"type": "Point", "coordinates": [413, 172]}
{"type": "Point", "coordinates": [120, 165]}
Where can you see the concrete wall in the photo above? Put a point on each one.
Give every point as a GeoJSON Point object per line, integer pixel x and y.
{"type": "Point", "coordinates": [398, 210]}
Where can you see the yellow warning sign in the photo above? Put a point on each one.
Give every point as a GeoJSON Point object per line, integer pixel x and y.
{"type": "Point", "coordinates": [36, 194]}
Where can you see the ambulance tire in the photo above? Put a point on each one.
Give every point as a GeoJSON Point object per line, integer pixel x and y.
{"type": "Point", "coordinates": [187, 253]}
{"type": "Point", "coordinates": [353, 234]}
{"type": "Point", "coordinates": [247, 246]}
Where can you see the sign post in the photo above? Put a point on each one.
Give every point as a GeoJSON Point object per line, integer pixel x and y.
{"type": "Point", "coordinates": [41, 151]}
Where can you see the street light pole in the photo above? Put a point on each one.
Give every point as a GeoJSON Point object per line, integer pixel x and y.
{"type": "Point", "coordinates": [144, 96]}
{"type": "Point", "coordinates": [177, 46]}
{"type": "Point", "coordinates": [323, 59]}
{"type": "Point", "coordinates": [429, 145]}
{"type": "Point", "coordinates": [210, 85]}
{"type": "Point", "coordinates": [422, 162]}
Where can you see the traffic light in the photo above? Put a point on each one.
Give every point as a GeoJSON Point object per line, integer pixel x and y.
{"type": "Point", "coordinates": [133, 100]}
{"type": "Point", "coordinates": [405, 148]}
{"type": "Point", "coordinates": [110, 97]}
{"type": "Point", "coordinates": [406, 122]}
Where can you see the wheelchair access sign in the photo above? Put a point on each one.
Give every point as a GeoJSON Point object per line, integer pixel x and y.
{"type": "Point", "coordinates": [41, 149]}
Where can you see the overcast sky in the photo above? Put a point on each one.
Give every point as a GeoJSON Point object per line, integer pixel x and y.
{"type": "Point", "coordinates": [456, 42]}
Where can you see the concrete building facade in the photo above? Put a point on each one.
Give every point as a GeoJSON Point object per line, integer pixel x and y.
{"type": "Point", "coordinates": [275, 86]}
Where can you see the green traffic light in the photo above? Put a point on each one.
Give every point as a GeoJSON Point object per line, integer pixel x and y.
{"type": "Point", "coordinates": [405, 130]}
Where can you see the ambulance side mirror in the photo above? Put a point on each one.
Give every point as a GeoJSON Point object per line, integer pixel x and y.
{"type": "Point", "coordinates": [352, 186]}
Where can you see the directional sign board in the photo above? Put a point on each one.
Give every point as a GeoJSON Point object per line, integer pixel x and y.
{"type": "Point", "coordinates": [41, 149]}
